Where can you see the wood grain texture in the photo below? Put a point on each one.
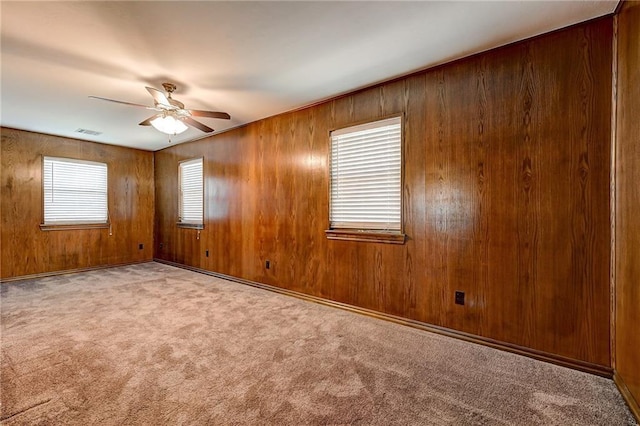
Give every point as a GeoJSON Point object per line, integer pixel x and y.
{"type": "Point", "coordinates": [506, 197]}
{"type": "Point", "coordinates": [28, 250]}
{"type": "Point", "coordinates": [627, 198]}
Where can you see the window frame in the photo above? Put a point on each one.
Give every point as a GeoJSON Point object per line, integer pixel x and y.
{"type": "Point", "coordinates": [365, 234]}
{"type": "Point", "coordinates": [179, 222]}
{"type": "Point", "coordinates": [53, 226]}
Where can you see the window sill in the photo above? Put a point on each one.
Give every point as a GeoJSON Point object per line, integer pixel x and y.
{"type": "Point", "coordinates": [190, 225]}
{"type": "Point", "coordinates": [72, 226]}
{"type": "Point", "coordinates": [367, 236]}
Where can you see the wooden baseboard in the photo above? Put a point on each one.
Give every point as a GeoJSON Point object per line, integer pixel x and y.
{"type": "Point", "coordinates": [68, 271]}
{"type": "Point", "coordinates": [520, 350]}
{"type": "Point", "coordinates": [626, 394]}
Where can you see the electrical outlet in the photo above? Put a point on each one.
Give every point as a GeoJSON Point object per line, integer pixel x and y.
{"type": "Point", "coordinates": [206, 253]}
{"type": "Point", "coordinates": [459, 297]}
{"type": "Point", "coordinates": [267, 264]}
{"type": "Point", "coordinates": [140, 246]}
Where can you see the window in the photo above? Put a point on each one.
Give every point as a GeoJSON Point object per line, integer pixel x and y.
{"type": "Point", "coordinates": [74, 192]}
{"type": "Point", "coordinates": [191, 194]}
{"type": "Point", "coordinates": [366, 182]}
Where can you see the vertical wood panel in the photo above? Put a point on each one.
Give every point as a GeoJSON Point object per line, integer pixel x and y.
{"type": "Point", "coordinates": [627, 198]}
{"type": "Point", "coordinates": [483, 175]}
{"type": "Point", "coordinates": [28, 250]}
{"type": "Point", "coordinates": [506, 173]}
{"type": "Point", "coordinates": [414, 199]}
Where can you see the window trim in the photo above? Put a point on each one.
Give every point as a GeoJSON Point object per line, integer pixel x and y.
{"type": "Point", "coordinates": [73, 227]}
{"type": "Point", "coordinates": [189, 225]}
{"type": "Point", "coordinates": [364, 234]}
{"type": "Point", "coordinates": [77, 225]}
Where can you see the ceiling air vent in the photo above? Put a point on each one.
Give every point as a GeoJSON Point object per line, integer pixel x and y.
{"type": "Point", "coordinates": [88, 132]}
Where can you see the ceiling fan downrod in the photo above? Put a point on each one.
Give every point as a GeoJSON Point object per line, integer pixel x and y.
{"type": "Point", "coordinates": [169, 88]}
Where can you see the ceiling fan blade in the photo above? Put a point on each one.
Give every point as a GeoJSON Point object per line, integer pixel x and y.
{"type": "Point", "coordinates": [121, 102]}
{"type": "Point", "coordinates": [210, 114]}
{"type": "Point", "coordinates": [158, 96]}
{"type": "Point", "coordinates": [147, 122]}
{"type": "Point", "coordinates": [193, 123]}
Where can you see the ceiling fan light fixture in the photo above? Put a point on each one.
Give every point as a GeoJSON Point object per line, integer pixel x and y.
{"type": "Point", "coordinates": [169, 124]}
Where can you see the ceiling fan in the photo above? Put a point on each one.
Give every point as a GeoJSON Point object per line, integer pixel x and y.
{"type": "Point", "coordinates": [172, 117]}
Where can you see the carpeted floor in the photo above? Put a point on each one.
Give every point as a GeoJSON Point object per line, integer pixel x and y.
{"type": "Point", "coordinates": [153, 344]}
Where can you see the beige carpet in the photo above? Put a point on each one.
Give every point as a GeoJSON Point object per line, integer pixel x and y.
{"type": "Point", "coordinates": [153, 344]}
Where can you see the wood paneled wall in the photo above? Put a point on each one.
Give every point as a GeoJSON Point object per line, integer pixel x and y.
{"type": "Point", "coordinates": [627, 223]}
{"type": "Point", "coordinates": [27, 250]}
{"type": "Point", "coordinates": [506, 187]}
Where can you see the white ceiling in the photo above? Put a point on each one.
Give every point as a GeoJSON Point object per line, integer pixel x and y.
{"type": "Point", "coordinates": [250, 59]}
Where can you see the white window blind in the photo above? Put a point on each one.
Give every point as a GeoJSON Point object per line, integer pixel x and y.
{"type": "Point", "coordinates": [191, 192]}
{"type": "Point", "coordinates": [74, 191]}
{"type": "Point", "coordinates": [366, 176]}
